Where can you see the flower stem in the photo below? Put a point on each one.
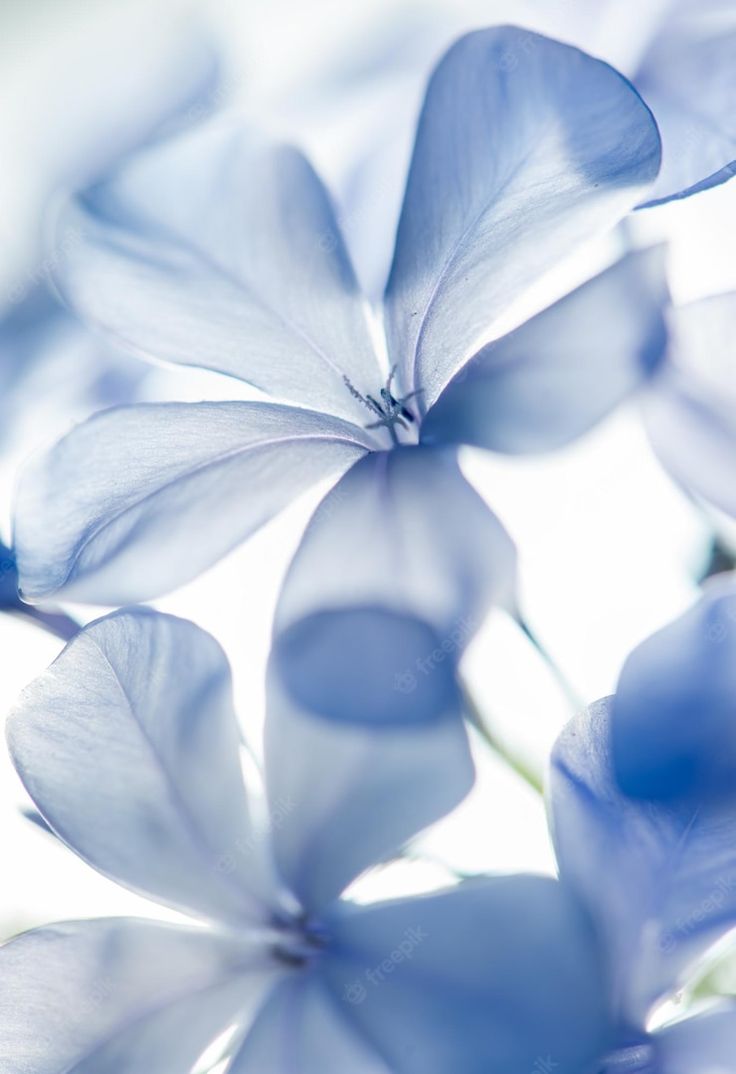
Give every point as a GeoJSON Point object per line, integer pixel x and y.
{"type": "Point", "coordinates": [721, 560]}
{"type": "Point", "coordinates": [499, 749]}
{"type": "Point", "coordinates": [572, 697]}
{"type": "Point", "coordinates": [423, 857]}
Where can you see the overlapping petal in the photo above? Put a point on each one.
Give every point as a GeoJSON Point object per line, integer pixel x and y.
{"type": "Point", "coordinates": [140, 499]}
{"type": "Point", "coordinates": [50, 364]}
{"type": "Point", "coordinates": [343, 798]}
{"type": "Point", "coordinates": [489, 977]}
{"type": "Point", "coordinates": [686, 77]}
{"type": "Point", "coordinates": [221, 250]}
{"type": "Point", "coordinates": [553, 378]}
{"type": "Point", "coordinates": [695, 1045]}
{"type": "Point", "coordinates": [110, 103]}
{"type": "Point", "coordinates": [47, 357]}
{"type": "Point", "coordinates": [672, 717]}
{"type": "Point", "coordinates": [129, 746]}
{"type": "Point", "coordinates": [659, 878]}
{"type": "Point", "coordinates": [394, 575]}
{"type": "Point", "coordinates": [102, 997]}
{"type": "Point", "coordinates": [302, 1028]}
{"type": "Point", "coordinates": [691, 412]}
{"type": "Point", "coordinates": [525, 148]}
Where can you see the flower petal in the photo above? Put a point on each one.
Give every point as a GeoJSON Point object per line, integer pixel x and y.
{"type": "Point", "coordinates": [525, 148]}
{"type": "Point", "coordinates": [8, 578]}
{"type": "Point", "coordinates": [686, 77]}
{"type": "Point", "coordinates": [119, 86]}
{"type": "Point", "coordinates": [705, 1044]}
{"type": "Point", "coordinates": [677, 859]}
{"type": "Point", "coordinates": [564, 370]}
{"type": "Point", "coordinates": [51, 365]}
{"type": "Point", "coordinates": [221, 250]}
{"type": "Point", "coordinates": [489, 977]}
{"type": "Point", "coordinates": [690, 413]}
{"type": "Point", "coordinates": [141, 499]}
{"type": "Point", "coordinates": [128, 745]}
{"type": "Point", "coordinates": [104, 996]}
{"type": "Point", "coordinates": [300, 1028]}
{"type": "Point", "coordinates": [343, 798]}
{"type": "Point", "coordinates": [370, 665]}
{"type": "Point", "coordinates": [672, 725]}
{"type": "Point", "coordinates": [392, 578]}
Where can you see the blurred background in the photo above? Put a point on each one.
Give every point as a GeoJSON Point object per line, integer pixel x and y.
{"type": "Point", "coordinates": [610, 548]}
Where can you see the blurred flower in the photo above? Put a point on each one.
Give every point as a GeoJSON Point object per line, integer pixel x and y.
{"type": "Point", "coordinates": [690, 409]}
{"type": "Point", "coordinates": [658, 873]}
{"type": "Point", "coordinates": [52, 366]}
{"type": "Point", "coordinates": [672, 719]}
{"type": "Point", "coordinates": [129, 747]}
{"type": "Point", "coordinates": [222, 251]}
{"type": "Point", "coordinates": [679, 54]}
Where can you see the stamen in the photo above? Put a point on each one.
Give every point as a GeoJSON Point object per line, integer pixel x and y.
{"type": "Point", "coordinates": [390, 411]}
{"type": "Point", "coordinates": [300, 942]}
{"type": "Point", "coordinates": [354, 392]}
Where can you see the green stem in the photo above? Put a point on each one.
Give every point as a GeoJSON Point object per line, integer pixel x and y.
{"type": "Point", "coordinates": [501, 751]}
{"type": "Point", "coordinates": [573, 698]}
{"type": "Point", "coordinates": [422, 857]}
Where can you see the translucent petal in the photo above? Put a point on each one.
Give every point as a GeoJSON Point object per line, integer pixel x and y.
{"type": "Point", "coordinates": [525, 148]}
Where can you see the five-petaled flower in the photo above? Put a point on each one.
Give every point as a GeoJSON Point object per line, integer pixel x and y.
{"type": "Point", "coordinates": [210, 250]}
{"type": "Point", "coordinates": [129, 746]}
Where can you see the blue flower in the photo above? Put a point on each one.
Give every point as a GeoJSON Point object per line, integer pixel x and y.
{"type": "Point", "coordinates": [129, 747]}
{"type": "Point", "coordinates": [673, 731]}
{"type": "Point", "coordinates": [222, 250]}
{"type": "Point", "coordinates": [50, 363]}
{"type": "Point", "coordinates": [679, 54]}
{"type": "Point", "coordinates": [658, 870]}
{"type": "Point", "coordinates": [684, 72]}
{"type": "Point", "coordinates": [690, 411]}
{"type": "Point", "coordinates": [53, 367]}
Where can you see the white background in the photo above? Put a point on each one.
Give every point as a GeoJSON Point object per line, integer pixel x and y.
{"type": "Point", "coordinates": [609, 548]}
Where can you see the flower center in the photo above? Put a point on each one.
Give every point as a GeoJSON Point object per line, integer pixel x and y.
{"type": "Point", "coordinates": [389, 411]}
{"type": "Point", "coordinates": [298, 941]}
